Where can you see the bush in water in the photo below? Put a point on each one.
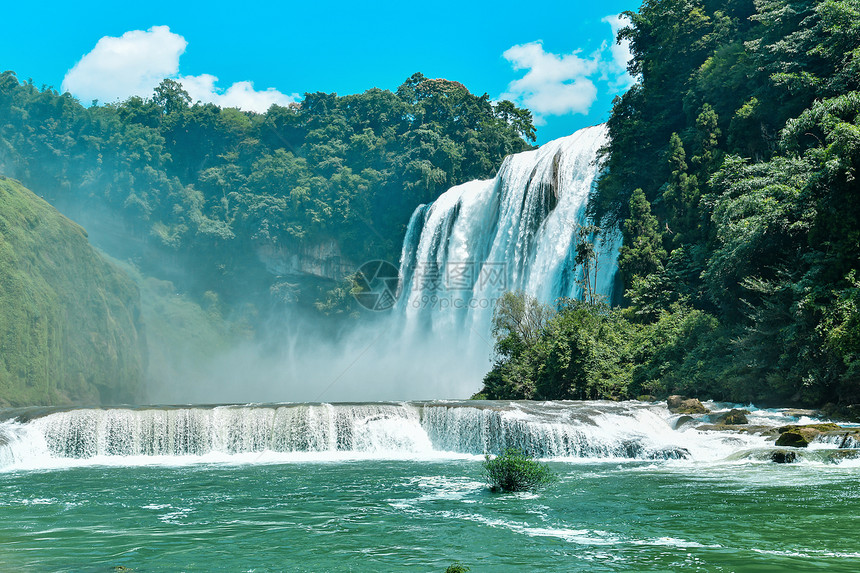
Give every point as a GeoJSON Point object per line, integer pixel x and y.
{"type": "Point", "coordinates": [515, 471]}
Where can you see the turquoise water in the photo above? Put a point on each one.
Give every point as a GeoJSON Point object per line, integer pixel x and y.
{"type": "Point", "coordinates": [413, 515]}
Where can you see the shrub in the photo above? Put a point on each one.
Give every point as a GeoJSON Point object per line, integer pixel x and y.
{"type": "Point", "coordinates": [457, 568]}
{"type": "Point", "coordinates": [513, 470]}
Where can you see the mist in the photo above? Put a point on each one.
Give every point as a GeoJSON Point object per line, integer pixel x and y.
{"type": "Point", "coordinates": [365, 362]}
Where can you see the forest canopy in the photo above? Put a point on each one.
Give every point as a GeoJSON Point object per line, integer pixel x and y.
{"type": "Point", "coordinates": [204, 187]}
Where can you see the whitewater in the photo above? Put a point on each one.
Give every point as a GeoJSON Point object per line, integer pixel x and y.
{"type": "Point", "coordinates": [561, 431]}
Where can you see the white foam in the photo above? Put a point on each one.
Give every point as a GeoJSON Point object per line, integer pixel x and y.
{"type": "Point", "coordinates": [562, 431]}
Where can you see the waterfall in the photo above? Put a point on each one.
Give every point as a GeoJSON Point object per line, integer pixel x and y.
{"type": "Point", "coordinates": [322, 431]}
{"type": "Point", "coordinates": [514, 232]}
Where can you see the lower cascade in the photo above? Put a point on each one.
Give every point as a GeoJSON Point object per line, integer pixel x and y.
{"type": "Point", "coordinates": [549, 430]}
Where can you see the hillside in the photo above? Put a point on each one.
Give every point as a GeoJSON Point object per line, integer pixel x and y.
{"type": "Point", "coordinates": [69, 321]}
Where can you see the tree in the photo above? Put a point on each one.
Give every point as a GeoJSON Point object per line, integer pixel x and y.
{"type": "Point", "coordinates": [518, 319]}
{"type": "Point", "coordinates": [641, 251]}
{"type": "Point", "coordinates": [587, 258]}
{"type": "Point", "coordinates": [171, 96]}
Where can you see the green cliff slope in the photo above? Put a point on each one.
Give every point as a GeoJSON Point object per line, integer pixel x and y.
{"type": "Point", "coordinates": [69, 321]}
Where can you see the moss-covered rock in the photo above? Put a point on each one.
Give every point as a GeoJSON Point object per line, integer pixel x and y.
{"type": "Point", "coordinates": [683, 405]}
{"type": "Point", "coordinates": [846, 412]}
{"type": "Point", "coordinates": [821, 428]}
{"type": "Point", "coordinates": [70, 331]}
{"type": "Point", "coordinates": [733, 417]}
{"type": "Point", "coordinates": [767, 431]}
{"type": "Point", "coordinates": [801, 436]}
{"type": "Point", "coordinates": [794, 439]}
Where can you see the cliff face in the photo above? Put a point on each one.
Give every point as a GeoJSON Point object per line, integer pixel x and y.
{"type": "Point", "coordinates": [319, 261]}
{"type": "Point", "coordinates": [70, 328]}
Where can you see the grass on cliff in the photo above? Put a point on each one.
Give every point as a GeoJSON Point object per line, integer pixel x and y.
{"type": "Point", "coordinates": [70, 327]}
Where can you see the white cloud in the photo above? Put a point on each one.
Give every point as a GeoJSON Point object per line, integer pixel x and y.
{"type": "Point", "coordinates": [620, 51]}
{"type": "Point", "coordinates": [553, 85]}
{"type": "Point", "coordinates": [241, 94]}
{"type": "Point", "coordinates": [136, 62]}
{"type": "Point", "coordinates": [132, 64]}
{"type": "Point", "coordinates": [562, 84]}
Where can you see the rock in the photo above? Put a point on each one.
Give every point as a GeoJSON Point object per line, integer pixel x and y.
{"type": "Point", "coordinates": [826, 427]}
{"type": "Point", "coordinates": [846, 412]}
{"type": "Point", "coordinates": [767, 431]}
{"type": "Point", "coordinates": [801, 436]}
{"type": "Point", "coordinates": [799, 413]}
{"type": "Point", "coordinates": [733, 417]}
{"type": "Point", "coordinates": [783, 457]}
{"type": "Point", "coordinates": [793, 439]}
{"type": "Point", "coordinates": [669, 453]}
{"type": "Point", "coordinates": [681, 421]}
{"type": "Point", "coordinates": [646, 398]}
{"type": "Point", "coordinates": [683, 405]}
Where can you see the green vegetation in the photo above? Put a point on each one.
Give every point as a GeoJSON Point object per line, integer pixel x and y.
{"type": "Point", "coordinates": [212, 190]}
{"type": "Point", "coordinates": [457, 568]}
{"type": "Point", "coordinates": [222, 217]}
{"type": "Point", "coordinates": [732, 173]}
{"type": "Point", "coordinates": [584, 351]}
{"type": "Point", "coordinates": [512, 470]}
{"type": "Point", "coordinates": [70, 327]}
{"type": "Point", "coordinates": [578, 352]}
{"type": "Point", "coordinates": [743, 135]}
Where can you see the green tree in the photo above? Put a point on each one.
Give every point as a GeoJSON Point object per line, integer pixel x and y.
{"type": "Point", "coordinates": [641, 251]}
{"type": "Point", "coordinates": [171, 96]}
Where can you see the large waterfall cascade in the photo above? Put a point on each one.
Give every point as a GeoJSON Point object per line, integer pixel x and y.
{"type": "Point", "coordinates": [514, 232]}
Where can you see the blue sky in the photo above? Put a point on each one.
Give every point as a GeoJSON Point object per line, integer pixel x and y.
{"type": "Point", "coordinates": [557, 58]}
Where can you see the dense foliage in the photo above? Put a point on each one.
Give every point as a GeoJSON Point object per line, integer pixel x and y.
{"type": "Point", "coordinates": [584, 351]}
{"type": "Point", "coordinates": [732, 171]}
{"type": "Point", "coordinates": [202, 191]}
{"type": "Point", "coordinates": [70, 327]}
{"type": "Point", "coordinates": [513, 470]}
{"type": "Point", "coordinates": [578, 352]}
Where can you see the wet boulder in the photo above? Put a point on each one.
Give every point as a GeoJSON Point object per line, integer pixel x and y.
{"type": "Point", "coordinates": [669, 453]}
{"type": "Point", "coordinates": [801, 436]}
{"type": "Point", "coordinates": [683, 405]}
{"type": "Point", "coordinates": [733, 417]}
{"type": "Point", "coordinates": [795, 438]}
{"type": "Point", "coordinates": [783, 457]}
{"type": "Point", "coordinates": [681, 421]}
